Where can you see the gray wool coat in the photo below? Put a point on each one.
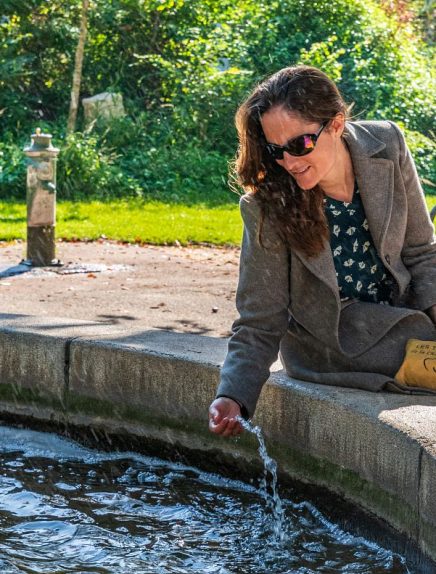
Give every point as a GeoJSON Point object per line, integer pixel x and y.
{"type": "Point", "coordinates": [289, 303]}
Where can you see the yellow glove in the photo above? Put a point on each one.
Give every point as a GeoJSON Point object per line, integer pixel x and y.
{"type": "Point", "coordinates": [419, 365]}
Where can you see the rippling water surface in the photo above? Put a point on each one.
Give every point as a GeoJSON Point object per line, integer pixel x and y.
{"type": "Point", "coordinates": [65, 508]}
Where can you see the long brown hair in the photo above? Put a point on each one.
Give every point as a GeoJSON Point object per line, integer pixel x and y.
{"type": "Point", "coordinates": [298, 215]}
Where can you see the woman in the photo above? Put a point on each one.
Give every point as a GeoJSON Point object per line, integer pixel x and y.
{"type": "Point", "coordinates": [338, 259]}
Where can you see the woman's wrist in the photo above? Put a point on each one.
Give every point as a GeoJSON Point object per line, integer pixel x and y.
{"type": "Point", "coordinates": [244, 412]}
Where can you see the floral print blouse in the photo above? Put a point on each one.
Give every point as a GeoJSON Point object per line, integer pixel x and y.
{"type": "Point", "coordinates": [359, 270]}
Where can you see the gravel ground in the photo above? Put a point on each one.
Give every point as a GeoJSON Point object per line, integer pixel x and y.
{"type": "Point", "coordinates": [184, 289]}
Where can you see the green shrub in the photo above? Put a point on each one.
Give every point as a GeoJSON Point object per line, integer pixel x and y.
{"type": "Point", "coordinates": [381, 67]}
{"type": "Point", "coordinates": [163, 166]}
{"type": "Point", "coordinates": [423, 150]}
{"type": "Point", "coordinates": [86, 171]}
{"type": "Point", "coordinates": [183, 67]}
{"type": "Point", "coordinates": [12, 171]}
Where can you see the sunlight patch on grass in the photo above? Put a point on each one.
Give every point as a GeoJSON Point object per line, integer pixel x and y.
{"type": "Point", "coordinates": [133, 221]}
{"type": "Point", "coordinates": [136, 221]}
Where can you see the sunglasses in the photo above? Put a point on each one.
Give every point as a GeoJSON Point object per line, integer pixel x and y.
{"type": "Point", "coordinates": [301, 145]}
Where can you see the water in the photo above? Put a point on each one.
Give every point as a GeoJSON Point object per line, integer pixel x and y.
{"type": "Point", "coordinates": [65, 508]}
{"type": "Point", "coordinates": [272, 500]}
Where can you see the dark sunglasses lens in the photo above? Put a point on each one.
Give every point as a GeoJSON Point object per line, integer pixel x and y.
{"type": "Point", "coordinates": [302, 145]}
{"type": "Point", "coordinates": [275, 152]}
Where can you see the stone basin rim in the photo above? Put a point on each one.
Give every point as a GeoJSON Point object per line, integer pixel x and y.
{"type": "Point", "coordinates": [377, 450]}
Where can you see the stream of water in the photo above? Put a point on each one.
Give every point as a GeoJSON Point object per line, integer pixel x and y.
{"type": "Point", "coordinates": [65, 508]}
{"type": "Point", "coordinates": [273, 501]}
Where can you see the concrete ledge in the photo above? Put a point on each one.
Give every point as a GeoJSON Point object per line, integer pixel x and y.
{"type": "Point", "coordinates": [377, 450]}
{"type": "Point", "coordinates": [34, 354]}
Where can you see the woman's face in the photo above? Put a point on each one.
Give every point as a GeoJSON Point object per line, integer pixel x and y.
{"type": "Point", "coordinates": [280, 125]}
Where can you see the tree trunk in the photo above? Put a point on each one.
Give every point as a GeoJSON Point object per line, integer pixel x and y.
{"type": "Point", "coordinates": [78, 65]}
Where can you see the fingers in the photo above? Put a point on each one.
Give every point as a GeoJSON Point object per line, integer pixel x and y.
{"type": "Point", "coordinates": [214, 414]}
{"type": "Point", "coordinates": [226, 427]}
{"type": "Point", "coordinates": [233, 428]}
{"type": "Point", "coordinates": [218, 427]}
{"type": "Point", "coordinates": [222, 417]}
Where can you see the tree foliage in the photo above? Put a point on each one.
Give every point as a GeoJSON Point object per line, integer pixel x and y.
{"type": "Point", "coordinates": [183, 66]}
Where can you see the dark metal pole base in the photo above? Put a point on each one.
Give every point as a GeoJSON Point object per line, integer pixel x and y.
{"type": "Point", "coordinates": [41, 248]}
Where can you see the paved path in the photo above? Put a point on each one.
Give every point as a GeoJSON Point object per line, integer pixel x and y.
{"type": "Point", "coordinates": [183, 289]}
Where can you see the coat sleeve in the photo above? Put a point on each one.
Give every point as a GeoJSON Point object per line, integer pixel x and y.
{"type": "Point", "coordinates": [262, 302]}
{"type": "Point", "coordinates": [419, 249]}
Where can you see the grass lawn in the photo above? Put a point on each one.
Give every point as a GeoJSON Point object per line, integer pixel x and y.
{"type": "Point", "coordinates": [132, 221]}
{"type": "Point", "coordinates": [136, 221]}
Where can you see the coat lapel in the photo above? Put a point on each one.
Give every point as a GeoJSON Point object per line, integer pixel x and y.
{"type": "Point", "coordinates": [375, 180]}
{"type": "Point", "coordinates": [374, 177]}
{"type": "Point", "coordinates": [322, 266]}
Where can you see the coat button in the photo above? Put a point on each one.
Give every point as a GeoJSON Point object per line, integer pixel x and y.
{"type": "Point", "coordinates": [388, 259]}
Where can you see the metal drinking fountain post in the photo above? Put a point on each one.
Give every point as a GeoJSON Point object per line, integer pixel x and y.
{"type": "Point", "coordinates": [41, 200]}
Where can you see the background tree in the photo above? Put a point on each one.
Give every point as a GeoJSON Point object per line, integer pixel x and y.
{"type": "Point", "coordinates": [78, 65]}
{"type": "Point", "coordinates": [183, 66]}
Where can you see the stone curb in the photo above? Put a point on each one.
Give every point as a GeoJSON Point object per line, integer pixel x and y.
{"type": "Point", "coordinates": [375, 449]}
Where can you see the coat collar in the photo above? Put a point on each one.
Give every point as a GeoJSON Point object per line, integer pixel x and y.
{"type": "Point", "coordinates": [374, 177]}
{"type": "Point", "coordinates": [361, 141]}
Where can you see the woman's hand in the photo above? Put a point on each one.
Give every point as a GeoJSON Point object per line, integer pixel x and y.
{"type": "Point", "coordinates": [222, 417]}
